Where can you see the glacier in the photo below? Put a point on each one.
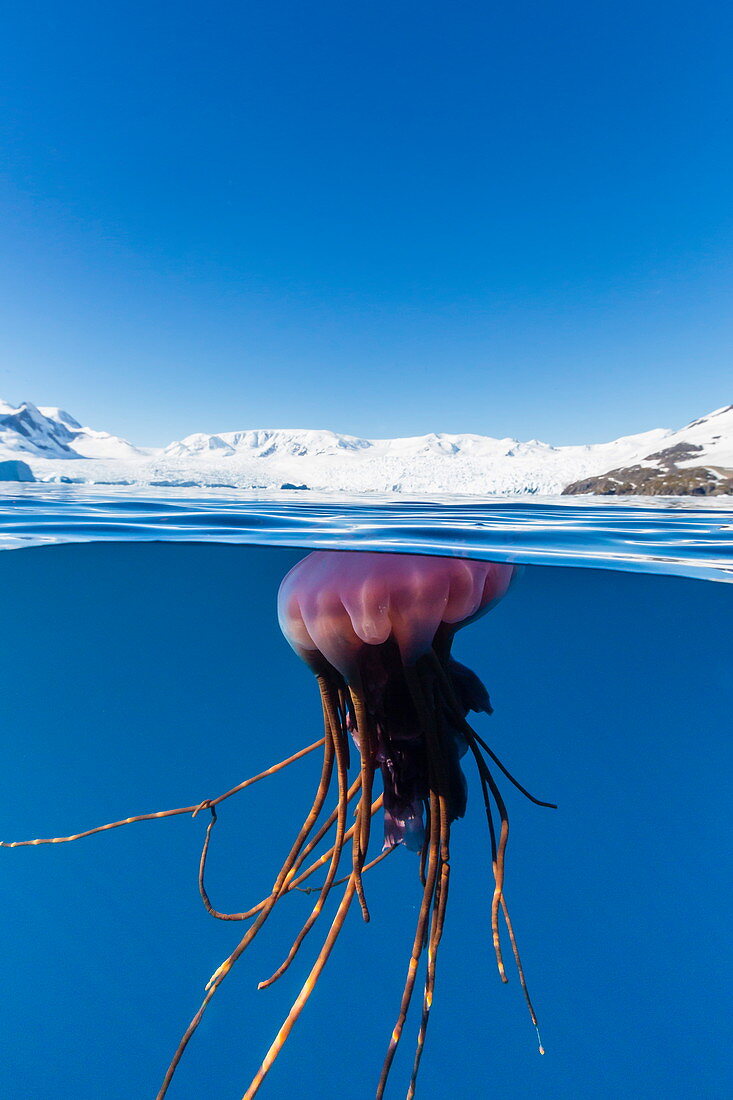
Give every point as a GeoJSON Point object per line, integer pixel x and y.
{"type": "Point", "coordinates": [60, 449]}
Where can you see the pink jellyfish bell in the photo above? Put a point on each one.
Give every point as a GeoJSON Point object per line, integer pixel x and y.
{"type": "Point", "coordinates": [365, 620]}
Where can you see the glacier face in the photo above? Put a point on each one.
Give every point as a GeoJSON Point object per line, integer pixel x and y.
{"type": "Point", "coordinates": [52, 442]}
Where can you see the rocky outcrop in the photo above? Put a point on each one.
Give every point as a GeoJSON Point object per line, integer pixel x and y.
{"type": "Point", "coordinates": [664, 477]}
{"type": "Point", "coordinates": [652, 481]}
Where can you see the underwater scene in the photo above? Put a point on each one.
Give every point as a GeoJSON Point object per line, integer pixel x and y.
{"type": "Point", "coordinates": [517, 720]}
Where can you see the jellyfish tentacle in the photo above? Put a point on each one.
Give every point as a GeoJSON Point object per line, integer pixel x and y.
{"type": "Point", "coordinates": [360, 831]}
{"type": "Point", "coordinates": [416, 678]}
{"type": "Point", "coordinates": [467, 728]}
{"type": "Point", "coordinates": [312, 843]}
{"type": "Point", "coordinates": [508, 774]}
{"type": "Point", "coordinates": [294, 883]}
{"type": "Point", "coordinates": [520, 972]}
{"type": "Point", "coordinates": [418, 942]}
{"type": "Point", "coordinates": [497, 850]}
{"type": "Point", "coordinates": [340, 881]}
{"type": "Point", "coordinates": [319, 835]}
{"type": "Point", "coordinates": [426, 844]}
{"type": "Point", "coordinates": [507, 918]}
{"type": "Point", "coordinates": [366, 752]}
{"type": "Point", "coordinates": [487, 807]}
{"type": "Point", "coordinates": [202, 869]}
{"type": "Point", "coordinates": [426, 703]}
{"type": "Point", "coordinates": [500, 867]}
{"type": "Point", "coordinates": [436, 933]}
{"type": "Point", "coordinates": [306, 990]}
{"type": "Point", "coordinates": [270, 771]}
{"type": "Point", "coordinates": [168, 813]}
{"type": "Point", "coordinates": [221, 972]}
{"type": "Point", "coordinates": [343, 711]}
{"type": "Point", "coordinates": [437, 769]}
{"type": "Point", "coordinates": [338, 735]}
{"type": "Point", "coordinates": [277, 889]}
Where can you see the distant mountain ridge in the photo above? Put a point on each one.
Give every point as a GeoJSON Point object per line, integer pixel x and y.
{"type": "Point", "coordinates": [50, 433]}
{"type": "Point", "coordinates": [26, 429]}
{"type": "Point", "coordinates": [696, 458]}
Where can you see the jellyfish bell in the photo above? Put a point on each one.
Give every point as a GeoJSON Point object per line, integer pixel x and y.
{"type": "Point", "coordinates": [368, 617]}
{"type": "Point", "coordinates": [335, 602]}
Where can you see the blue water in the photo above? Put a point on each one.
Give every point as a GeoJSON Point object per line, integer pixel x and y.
{"type": "Point", "coordinates": [138, 676]}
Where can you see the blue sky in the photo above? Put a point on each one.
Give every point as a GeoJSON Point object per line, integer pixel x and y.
{"type": "Point", "coordinates": [391, 219]}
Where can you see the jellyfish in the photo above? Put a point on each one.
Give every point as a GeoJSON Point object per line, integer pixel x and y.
{"type": "Point", "coordinates": [377, 630]}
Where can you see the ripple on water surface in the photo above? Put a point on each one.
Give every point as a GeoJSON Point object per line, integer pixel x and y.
{"type": "Point", "coordinates": [658, 535]}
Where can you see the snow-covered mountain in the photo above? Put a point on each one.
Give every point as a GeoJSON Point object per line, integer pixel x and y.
{"type": "Point", "coordinates": [697, 460]}
{"type": "Point", "coordinates": [263, 443]}
{"type": "Point", "coordinates": [51, 433]}
{"type": "Point", "coordinates": [25, 430]}
{"type": "Point", "coordinates": [52, 443]}
{"type": "Point", "coordinates": [430, 463]}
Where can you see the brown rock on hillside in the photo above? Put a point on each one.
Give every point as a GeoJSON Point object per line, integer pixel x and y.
{"type": "Point", "coordinates": [664, 478]}
{"type": "Point", "coordinates": [652, 481]}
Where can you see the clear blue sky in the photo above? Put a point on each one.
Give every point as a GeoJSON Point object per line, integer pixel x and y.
{"type": "Point", "coordinates": [384, 219]}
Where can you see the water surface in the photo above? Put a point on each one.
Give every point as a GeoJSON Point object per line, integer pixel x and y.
{"type": "Point", "coordinates": [662, 535]}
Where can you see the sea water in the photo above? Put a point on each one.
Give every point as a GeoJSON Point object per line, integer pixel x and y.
{"type": "Point", "coordinates": [138, 676]}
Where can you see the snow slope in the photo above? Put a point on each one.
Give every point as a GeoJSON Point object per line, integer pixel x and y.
{"type": "Point", "coordinates": [51, 433]}
{"type": "Point", "coordinates": [52, 443]}
{"type": "Point", "coordinates": [26, 431]}
{"type": "Point", "coordinates": [712, 434]}
{"type": "Point", "coordinates": [431, 463]}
